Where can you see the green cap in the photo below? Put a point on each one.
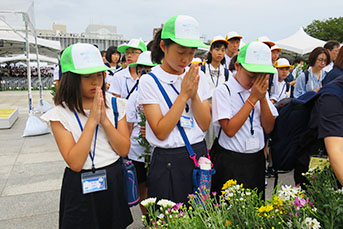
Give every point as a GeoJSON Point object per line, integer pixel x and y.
{"type": "Point", "coordinates": [82, 59]}
{"type": "Point", "coordinates": [256, 56]}
{"type": "Point", "coordinates": [183, 30]}
{"type": "Point", "coordinates": [144, 59]}
{"type": "Point", "coordinates": [133, 43]}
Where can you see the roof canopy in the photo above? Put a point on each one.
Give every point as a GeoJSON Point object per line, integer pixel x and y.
{"type": "Point", "coordinates": [300, 42]}
{"type": "Point", "coordinates": [33, 57]}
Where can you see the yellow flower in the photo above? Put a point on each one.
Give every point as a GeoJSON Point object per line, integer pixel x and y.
{"type": "Point", "coordinates": [229, 183]}
{"type": "Point", "coordinates": [266, 208]}
{"type": "Point", "coordinates": [228, 222]}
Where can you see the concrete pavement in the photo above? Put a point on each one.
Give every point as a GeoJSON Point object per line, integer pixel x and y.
{"type": "Point", "coordinates": [31, 170]}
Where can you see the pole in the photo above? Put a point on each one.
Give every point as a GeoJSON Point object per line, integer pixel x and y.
{"type": "Point", "coordinates": [39, 75]}
{"type": "Point", "coordinates": [27, 52]}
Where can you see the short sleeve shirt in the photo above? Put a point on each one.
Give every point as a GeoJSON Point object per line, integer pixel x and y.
{"type": "Point", "coordinates": [149, 93]}
{"type": "Point", "coordinates": [122, 83]}
{"type": "Point", "coordinates": [104, 154]}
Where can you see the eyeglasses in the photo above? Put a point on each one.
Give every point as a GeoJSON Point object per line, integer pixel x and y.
{"type": "Point", "coordinates": [143, 71]}
{"type": "Point", "coordinates": [321, 60]}
{"type": "Point", "coordinates": [132, 52]}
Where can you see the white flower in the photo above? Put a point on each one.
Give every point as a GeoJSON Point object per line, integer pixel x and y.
{"type": "Point", "coordinates": [149, 201]}
{"type": "Point", "coordinates": [310, 223]}
{"type": "Point", "coordinates": [288, 192]}
{"type": "Point", "coordinates": [340, 191]}
{"type": "Point", "coordinates": [166, 203]}
{"type": "Point", "coordinates": [160, 216]}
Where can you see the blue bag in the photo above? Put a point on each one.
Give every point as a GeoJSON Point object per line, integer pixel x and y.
{"type": "Point", "coordinates": [201, 178]}
{"type": "Point", "coordinates": [129, 170]}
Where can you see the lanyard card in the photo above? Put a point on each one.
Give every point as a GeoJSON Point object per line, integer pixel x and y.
{"type": "Point", "coordinates": [186, 121]}
{"type": "Point", "coordinates": [94, 182]}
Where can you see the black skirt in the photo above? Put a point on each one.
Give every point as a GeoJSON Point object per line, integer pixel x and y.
{"type": "Point", "coordinates": [103, 209]}
{"type": "Point", "coordinates": [246, 168]}
{"type": "Point", "coordinates": [170, 173]}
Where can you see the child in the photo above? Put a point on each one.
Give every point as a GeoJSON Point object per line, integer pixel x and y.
{"type": "Point", "coordinates": [92, 194]}
{"type": "Point", "coordinates": [123, 81]}
{"type": "Point", "coordinates": [112, 57]}
{"type": "Point", "coordinates": [216, 74]}
{"type": "Point", "coordinates": [282, 87]}
{"type": "Point", "coordinates": [241, 107]}
{"type": "Point", "coordinates": [234, 41]}
{"type": "Point", "coordinates": [170, 171]}
{"type": "Point", "coordinates": [143, 65]}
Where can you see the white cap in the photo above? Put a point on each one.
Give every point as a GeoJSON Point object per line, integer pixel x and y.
{"type": "Point", "coordinates": [196, 60]}
{"type": "Point", "coordinates": [265, 40]}
{"type": "Point", "coordinates": [275, 47]}
{"type": "Point", "coordinates": [232, 34]}
{"type": "Point", "coordinates": [282, 63]}
{"type": "Point", "coordinates": [218, 38]}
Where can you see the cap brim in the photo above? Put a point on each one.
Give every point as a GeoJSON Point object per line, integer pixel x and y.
{"type": "Point", "coordinates": [122, 49]}
{"type": "Point", "coordinates": [92, 70]}
{"type": "Point", "coordinates": [259, 68]}
{"type": "Point", "coordinates": [240, 37]}
{"type": "Point", "coordinates": [284, 66]}
{"type": "Point", "coordinates": [279, 49]}
{"type": "Point", "coordinates": [270, 43]}
{"type": "Point", "coordinates": [219, 40]}
{"type": "Point", "coordinates": [190, 43]}
{"type": "Point", "coordinates": [145, 64]}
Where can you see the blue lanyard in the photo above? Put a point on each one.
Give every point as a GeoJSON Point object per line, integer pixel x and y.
{"type": "Point", "coordinates": [283, 87]}
{"type": "Point", "coordinates": [177, 92]}
{"type": "Point", "coordinates": [96, 135]}
{"type": "Point", "coordinates": [127, 87]}
{"type": "Point", "coordinates": [251, 116]}
{"type": "Point", "coordinates": [209, 70]}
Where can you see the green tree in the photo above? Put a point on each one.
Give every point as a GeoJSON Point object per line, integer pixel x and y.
{"type": "Point", "coordinates": [327, 29]}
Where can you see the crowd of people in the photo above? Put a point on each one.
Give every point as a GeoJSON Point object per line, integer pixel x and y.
{"type": "Point", "coordinates": [225, 104]}
{"type": "Point", "coordinates": [21, 71]}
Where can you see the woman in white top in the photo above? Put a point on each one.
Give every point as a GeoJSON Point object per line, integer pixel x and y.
{"type": "Point", "coordinates": [92, 193]}
{"type": "Point", "coordinates": [170, 171]}
{"type": "Point", "coordinates": [242, 109]}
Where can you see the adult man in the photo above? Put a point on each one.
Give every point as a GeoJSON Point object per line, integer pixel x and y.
{"type": "Point", "coordinates": [333, 48]}
{"type": "Point", "coordinates": [234, 40]}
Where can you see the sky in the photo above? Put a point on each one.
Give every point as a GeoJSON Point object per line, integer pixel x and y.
{"type": "Point", "coordinates": [276, 19]}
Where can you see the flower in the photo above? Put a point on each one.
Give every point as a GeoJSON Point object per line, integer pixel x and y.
{"type": "Point", "coordinates": [266, 208]}
{"type": "Point", "coordinates": [166, 203]}
{"type": "Point", "coordinates": [148, 202]}
{"type": "Point", "coordinates": [310, 223]}
{"type": "Point", "coordinates": [229, 183]}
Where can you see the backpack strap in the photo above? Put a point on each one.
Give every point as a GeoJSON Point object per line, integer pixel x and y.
{"type": "Point", "coordinates": [271, 79]}
{"type": "Point", "coordinates": [203, 68]}
{"type": "Point", "coordinates": [115, 111]}
{"type": "Point", "coordinates": [132, 89]}
{"type": "Point", "coordinates": [191, 153]}
{"type": "Point", "coordinates": [226, 74]}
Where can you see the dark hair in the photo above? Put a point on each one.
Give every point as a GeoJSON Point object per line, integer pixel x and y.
{"type": "Point", "coordinates": [234, 39]}
{"type": "Point", "coordinates": [315, 53]}
{"type": "Point", "coordinates": [149, 45]}
{"type": "Point", "coordinates": [232, 63]}
{"type": "Point", "coordinates": [156, 52]}
{"type": "Point", "coordinates": [339, 59]}
{"type": "Point", "coordinates": [331, 44]}
{"type": "Point", "coordinates": [109, 53]}
{"type": "Point", "coordinates": [69, 92]}
{"type": "Point", "coordinates": [298, 59]}
{"type": "Point", "coordinates": [103, 52]}
{"type": "Point", "coordinates": [217, 44]}
{"type": "Point", "coordinates": [123, 58]}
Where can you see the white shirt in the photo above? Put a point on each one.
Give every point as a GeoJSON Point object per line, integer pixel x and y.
{"type": "Point", "coordinates": [104, 154]}
{"type": "Point", "coordinates": [277, 89]}
{"type": "Point", "coordinates": [132, 116]}
{"type": "Point", "coordinates": [56, 72]}
{"type": "Point", "coordinates": [328, 67]}
{"type": "Point", "coordinates": [225, 106]}
{"type": "Point", "coordinates": [215, 77]}
{"type": "Point", "coordinates": [109, 77]}
{"type": "Point", "coordinates": [122, 83]}
{"type": "Point", "coordinates": [149, 93]}
{"type": "Point", "coordinates": [227, 61]}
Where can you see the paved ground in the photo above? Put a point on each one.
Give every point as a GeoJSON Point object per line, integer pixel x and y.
{"type": "Point", "coordinates": [31, 170]}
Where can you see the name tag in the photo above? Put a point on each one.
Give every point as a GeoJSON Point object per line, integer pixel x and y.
{"type": "Point", "coordinates": [252, 144]}
{"type": "Point", "coordinates": [186, 121]}
{"type": "Point", "coordinates": [94, 182]}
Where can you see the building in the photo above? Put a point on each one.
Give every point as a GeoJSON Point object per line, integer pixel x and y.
{"type": "Point", "coordinates": [103, 36]}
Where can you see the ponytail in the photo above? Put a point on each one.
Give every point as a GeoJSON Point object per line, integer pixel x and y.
{"type": "Point", "coordinates": [156, 52]}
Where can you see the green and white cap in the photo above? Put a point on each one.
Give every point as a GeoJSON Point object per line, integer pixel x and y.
{"type": "Point", "coordinates": [133, 43]}
{"type": "Point", "coordinates": [82, 59]}
{"type": "Point", "coordinates": [144, 59]}
{"type": "Point", "coordinates": [183, 30]}
{"type": "Point", "coordinates": [256, 57]}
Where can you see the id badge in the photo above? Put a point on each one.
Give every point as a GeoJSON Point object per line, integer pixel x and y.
{"type": "Point", "coordinates": [251, 144]}
{"type": "Point", "coordinates": [94, 182]}
{"type": "Point", "coordinates": [320, 162]}
{"type": "Point", "coordinates": [186, 121]}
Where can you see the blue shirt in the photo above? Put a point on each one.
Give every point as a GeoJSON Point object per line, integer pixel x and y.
{"type": "Point", "coordinates": [312, 84]}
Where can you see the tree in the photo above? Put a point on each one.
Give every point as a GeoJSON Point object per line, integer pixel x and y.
{"type": "Point", "coordinates": [327, 29]}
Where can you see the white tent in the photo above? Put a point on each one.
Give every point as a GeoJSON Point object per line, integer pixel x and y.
{"type": "Point", "coordinates": [33, 57]}
{"type": "Point", "coordinates": [300, 42]}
